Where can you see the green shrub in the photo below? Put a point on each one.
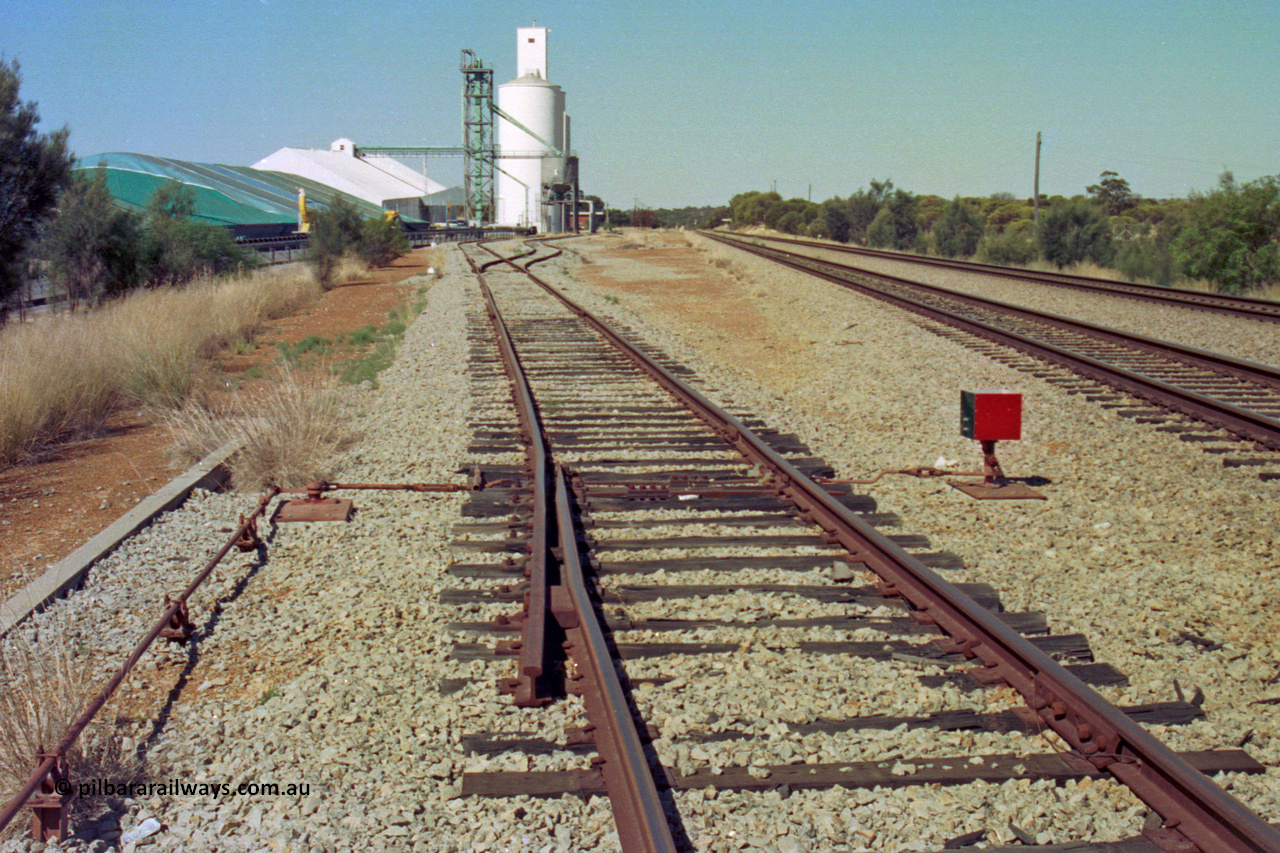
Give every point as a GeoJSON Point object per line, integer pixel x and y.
{"type": "Point", "coordinates": [334, 232]}
{"type": "Point", "coordinates": [1009, 248]}
{"type": "Point", "coordinates": [92, 244]}
{"type": "Point", "coordinates": [895, 226]}
{"type": "Point", "coordinates": [292, 354]}
{"type": "Point", "coordinates": [818, 229]}
{"type": "Point", "coordinates": [381, 242]}
{"type": "Point", "coordinates": [363, 337]}
{"type": "Point", "coordinates": [176, 249]}
{"type": "Point", "coordinates": [958, 231]}
{"type": "Point", "coordinates": [1007, 213]}
{"type": "Point", "coordinates": [791, 222]}
{"type": "Point", "coordinates": [1147, 258]}
{"type": "Point", "coordinates": [1075, 231]}
{"type": "Point", "coordinates": [34, 169]}
{"type": "Point", "coordinates": [1229, 235]}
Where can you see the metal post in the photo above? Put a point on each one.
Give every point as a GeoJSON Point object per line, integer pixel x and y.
{"type": "Point", "coordinates": [1035, 222]}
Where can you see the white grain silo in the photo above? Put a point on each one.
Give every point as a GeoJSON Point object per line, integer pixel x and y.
{"type": "Point", "coordinates": [531, 162]}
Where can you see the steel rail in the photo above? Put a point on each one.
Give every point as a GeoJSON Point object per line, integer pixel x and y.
{"type": "Point", "coordinates": [527, 686]}
{"type": "Point", "coordinates": [638, 812]}
{"type": "Point", "coordinates": [1238, 420]}
{"type": "Point", "coordinates": [1192, 807]}
{"type": "Point", "coordinates": [56, 757]}
{"type": "Point", "coordinates": [1237, 306]}
{"type": "Point", "coordinates": [1249, 370]}
{"type": "Point", "coordinates": [633, 791]}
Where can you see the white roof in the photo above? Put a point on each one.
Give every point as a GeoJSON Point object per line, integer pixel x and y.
{"type": "Point", "coordinates": [375, 179]}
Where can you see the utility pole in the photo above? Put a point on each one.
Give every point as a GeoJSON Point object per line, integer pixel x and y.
{"type": "Point", "coordinates": [1035, 222]}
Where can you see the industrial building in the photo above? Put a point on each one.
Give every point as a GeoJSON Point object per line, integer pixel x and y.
{"type": "Point", "coordinates": [248, 200]}
{"type": "Point", "coordinates": [385, 183]}
{"type": "Point", "coordinates": [518, 167]}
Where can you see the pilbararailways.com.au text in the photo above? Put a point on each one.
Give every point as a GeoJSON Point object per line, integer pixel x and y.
{"type": "Point", "coordinates": [179, 788]}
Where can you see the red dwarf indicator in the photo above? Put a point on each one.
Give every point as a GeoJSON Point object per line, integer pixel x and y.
{"type": "Point", "coordinates": [991, 415]}
{"type": "Point", "coordinates": [988, 417]}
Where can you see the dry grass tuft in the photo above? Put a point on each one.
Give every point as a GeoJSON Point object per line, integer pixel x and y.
{"type": "Point", "coordinates": [1270, 291]}
{"type": "Point", "coordinates": [435, 260]}
{"type": "Point", "coordinates": [721, 258]}
{"type": "Point", "coordinates": [291, 433]}
{"type": "Point", "coordinates": [63, 375]}
{"type": "Point", "coordinates": [45, 683]}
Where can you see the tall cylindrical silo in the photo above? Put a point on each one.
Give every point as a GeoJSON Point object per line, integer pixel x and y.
{"type": "Point", "coordinates": [525, 159]}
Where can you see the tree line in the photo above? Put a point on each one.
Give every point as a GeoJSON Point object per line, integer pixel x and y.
{"type": "Point", "coordinates": [1229, 236]}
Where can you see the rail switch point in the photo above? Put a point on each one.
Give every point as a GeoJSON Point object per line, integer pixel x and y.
{"type": "Point", "coordinates": [988, 417]}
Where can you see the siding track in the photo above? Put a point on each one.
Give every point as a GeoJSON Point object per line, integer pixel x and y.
{"type": "Point", "coordinates": [1237, 396]}
{"type": "Point", "coordinates": [1235, 306]}
{"type": "Point", "coordinates": [641, 456]}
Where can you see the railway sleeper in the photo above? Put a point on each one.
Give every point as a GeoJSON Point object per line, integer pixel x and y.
{"type": "Point", "coordinates": [1004, 722]}
{"type": "Point", "coordinates": [895, 773]}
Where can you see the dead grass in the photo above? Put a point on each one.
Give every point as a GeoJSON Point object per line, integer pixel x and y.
{"type": "Point", "coordinates": [1271, 291]}
{"type": "Point", "coordinates": [62, 376]}
{"type": "Point", "coordinates": [721, 258]}
{"type": "Point", "coordinates": [291, 433]}
{"type": "Point", "coordinates": [351, 268]}
{"type": "Point", "coordinates": [45, 683]}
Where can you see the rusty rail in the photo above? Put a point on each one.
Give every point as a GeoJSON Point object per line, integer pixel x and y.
{"type": "Point", "coordinates": [633, 792]}
{"type": "Point", "coordinates": [49, 821]}
{"type": "Point", "coordinates": [1239, 421]}
{"type": "Point", "coordinates": [1236, 306]}
{"type": "Point", "coordinates": [637, 806]}
{"type": "Point", "coordinates": [1193, 808]}
{"type": "Point", "coordinates": [527, 687]}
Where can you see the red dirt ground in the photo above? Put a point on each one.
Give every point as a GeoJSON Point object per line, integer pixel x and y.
{"type": "Point", "coordinates": [50, 507]}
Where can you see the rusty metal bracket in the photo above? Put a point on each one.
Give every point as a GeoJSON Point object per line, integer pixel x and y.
{"type": "Point", "coordinates": [49, 806]}
{"type": "Point", "coordinates": [316, 507]}
{"type": "Point", "coordinates": [994, 485]}
{"type": "Point", "coordinates": [248, 540]}
{"type": "Point", "coordinates": [179, 629]}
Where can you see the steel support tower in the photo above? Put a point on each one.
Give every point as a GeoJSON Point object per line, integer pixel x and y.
{"type": "Point", "coordinates": [478, 138]}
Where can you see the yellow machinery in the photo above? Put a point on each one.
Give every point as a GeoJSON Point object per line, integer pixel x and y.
{"type": "Point", "coordinates": [305, 214]}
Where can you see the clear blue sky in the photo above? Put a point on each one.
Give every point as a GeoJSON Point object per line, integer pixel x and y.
{"type": "Point", "coordinates": [677, 103]}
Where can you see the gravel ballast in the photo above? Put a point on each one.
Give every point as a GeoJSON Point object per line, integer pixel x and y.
{"type": "Point", "coordinates": [328, 664]}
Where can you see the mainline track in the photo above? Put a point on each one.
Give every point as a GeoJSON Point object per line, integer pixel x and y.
{"type": "Point", "coordinates": [1194, 810]}
{"type": "Point", "coordinates": [1239, 396]}
{"type": "Point", "coordinates": [1236, 306]}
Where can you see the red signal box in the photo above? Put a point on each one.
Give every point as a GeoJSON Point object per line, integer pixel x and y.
{"type": "Point", "coordinates": [991, 415]}
{"type": "Point", "coordinates": [988, 417]}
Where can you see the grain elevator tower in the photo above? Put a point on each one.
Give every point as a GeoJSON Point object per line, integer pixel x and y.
{"type": "Point", "coordinates": [537, 177]}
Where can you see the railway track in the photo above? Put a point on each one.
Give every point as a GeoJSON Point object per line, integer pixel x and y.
{"type": "Point", "coordinates": [1174, 382]}
{"type": "Point", "coordinates": [629, 470]}
{"type": "Point", "coordinates": [1236, 306]}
